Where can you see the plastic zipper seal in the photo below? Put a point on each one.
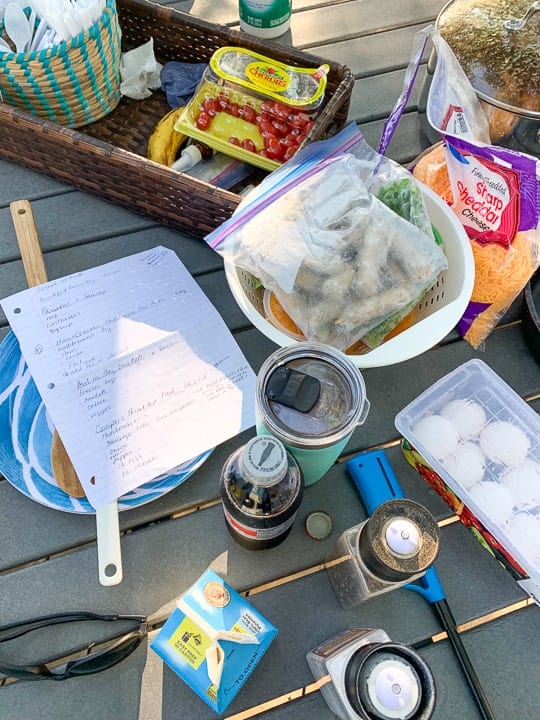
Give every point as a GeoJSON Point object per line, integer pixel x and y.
{"type": "Point", "coordinates": [419, 45]}
{"type": "Point", "coordinates": [304, 164]}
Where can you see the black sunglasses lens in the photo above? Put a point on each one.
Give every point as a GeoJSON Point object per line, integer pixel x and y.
{"type": "Point", "coordinates": [94, 662]}
{"type": "Point", "coordinates": [30, 672]}
{"type": "Point", "coordinates": [103, 661]}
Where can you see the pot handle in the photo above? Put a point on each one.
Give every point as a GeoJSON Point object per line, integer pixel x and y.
{"type": "Point", "coordinates": [108, 544]}
{"type": "Point", "coordinates": [519, 23]}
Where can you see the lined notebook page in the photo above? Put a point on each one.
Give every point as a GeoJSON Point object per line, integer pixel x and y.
{"type": "Point", "coordinates": [136, 368]}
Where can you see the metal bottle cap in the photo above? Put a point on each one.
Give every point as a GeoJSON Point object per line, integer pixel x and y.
{"type": "Point", "coordinates": [386, 559]}
{"type": "Point", "coordinates": [318, 525]}
{"type": "Point", "coordinates": [264, 461]}
{"type": "Point", "coordinates": [403, 537]}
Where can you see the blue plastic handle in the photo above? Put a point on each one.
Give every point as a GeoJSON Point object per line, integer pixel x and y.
{"type": "Point", "coordinates": [376, 482]}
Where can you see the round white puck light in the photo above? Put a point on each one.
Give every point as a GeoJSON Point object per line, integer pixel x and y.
{"type": "Point", "coordinates": [403, 537]}
{"type": "Point", "coordinates": [393, 689]}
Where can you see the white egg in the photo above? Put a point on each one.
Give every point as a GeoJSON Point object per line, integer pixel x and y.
{"type": "Point", "coordinates": [524, 533]}
{"type": "Point", "coordinates": [495, 501]}
{"type": "Point", "coordinates": [505, 443]}
{"type": "Point", "coordinates": [466, 464]}
{"type": "Point", "coordinates": [524, 483]}
{"type": "Point", "coordinates": [437, 434]}
{"type": "Point", "coordinates": [468, 417]}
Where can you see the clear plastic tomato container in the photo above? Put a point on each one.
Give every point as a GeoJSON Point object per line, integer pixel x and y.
{"type": "Point", "coordinates": [254, 108]}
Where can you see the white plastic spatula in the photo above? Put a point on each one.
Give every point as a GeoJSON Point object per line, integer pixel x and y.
{"type": "Point", "coordinates": [107, 526]}
{"type": "Point", "coordinates": [108, 544]}
{"type": "Point", "coordinates": [17, 26]}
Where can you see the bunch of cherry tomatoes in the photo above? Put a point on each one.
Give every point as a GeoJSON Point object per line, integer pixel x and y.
{"type": "Point", "coordinates": [282, 128]}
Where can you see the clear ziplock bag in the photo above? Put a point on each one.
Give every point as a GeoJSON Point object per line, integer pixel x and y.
{"type": "Point", "coordinates": [339, 261]}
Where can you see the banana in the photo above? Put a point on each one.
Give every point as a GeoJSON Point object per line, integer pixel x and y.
{"type": "Point", "coordinates": [165, 141]}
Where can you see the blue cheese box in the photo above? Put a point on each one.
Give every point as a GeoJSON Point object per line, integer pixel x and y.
{"type": "Point", "coordinates": [213, 640]}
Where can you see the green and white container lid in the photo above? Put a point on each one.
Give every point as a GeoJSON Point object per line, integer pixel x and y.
{"type": "Point", "coordinates": [265, 18]}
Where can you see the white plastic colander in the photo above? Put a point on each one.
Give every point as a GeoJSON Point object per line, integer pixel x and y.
{"type": "Point", "coordinates": [437, 314]}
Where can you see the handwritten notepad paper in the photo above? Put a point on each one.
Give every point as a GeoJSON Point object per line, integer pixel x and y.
{"type": "Point", "coordinates": [136, 368]}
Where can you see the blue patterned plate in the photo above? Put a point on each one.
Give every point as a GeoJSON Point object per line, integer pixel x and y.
{"type": "Point", "coordinates": [26, 437]}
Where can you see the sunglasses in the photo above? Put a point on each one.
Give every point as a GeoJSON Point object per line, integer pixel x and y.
{"type": "Point", "coordinates": [93, 662]}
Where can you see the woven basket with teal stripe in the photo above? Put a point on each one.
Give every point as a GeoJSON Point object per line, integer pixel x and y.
{"type": "Point", "coordinates": [74, 83]}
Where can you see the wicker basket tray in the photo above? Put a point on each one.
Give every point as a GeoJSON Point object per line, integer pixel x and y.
{"type": "Point", "coordinates": [108, 157]}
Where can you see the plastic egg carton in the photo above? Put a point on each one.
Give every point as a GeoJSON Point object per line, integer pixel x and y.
{"type": "Point", "coordinates": [478, 444]}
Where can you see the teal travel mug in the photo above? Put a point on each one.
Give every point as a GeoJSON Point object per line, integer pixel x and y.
{"type": "Point", "coordinates": [311, 397]}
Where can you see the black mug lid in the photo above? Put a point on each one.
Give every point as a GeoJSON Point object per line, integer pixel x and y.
{"type": "Point", "coordinates": [293, 388]}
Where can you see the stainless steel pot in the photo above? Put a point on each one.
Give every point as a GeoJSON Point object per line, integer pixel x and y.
{"type": "Point", "coordinates": [497, 43]}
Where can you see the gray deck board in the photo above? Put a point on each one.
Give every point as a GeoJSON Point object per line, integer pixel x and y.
{"type": "Point", "coordinates": [193, 542]}
{"type": "Point", "coordinates": [367, 55]}
{"type": "Point", "coordinates": [106, 695]}
{"type": "Point", "coordinates": [50, 531]}
{"type": "Point", "coordinates": [19, 182]}
{"type": "Point", "coordinates": [491, 648]}
{"type": "Point", "coordinates": [327, 20]}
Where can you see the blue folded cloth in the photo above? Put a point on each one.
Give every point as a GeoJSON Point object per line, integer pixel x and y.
{"type": "Point", "coordinates": [179, 81]}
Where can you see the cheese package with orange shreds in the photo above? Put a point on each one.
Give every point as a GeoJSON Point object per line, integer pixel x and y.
{"type": "Point", "coordinates": [494, 191]}
{"type": "Point", "coordinates": [496, 195]}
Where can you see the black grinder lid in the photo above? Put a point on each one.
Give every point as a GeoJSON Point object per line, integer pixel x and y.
{"type": "Point", "coordinates": [399, 540]}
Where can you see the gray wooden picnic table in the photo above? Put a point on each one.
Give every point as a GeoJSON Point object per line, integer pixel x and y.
{"type": "Point", "coordinates": [48, 558]}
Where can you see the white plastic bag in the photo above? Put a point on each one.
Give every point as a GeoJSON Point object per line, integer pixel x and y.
{"type": "Point", "coordinates": [453, 106]}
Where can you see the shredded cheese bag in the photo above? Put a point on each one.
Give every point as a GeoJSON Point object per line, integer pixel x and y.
{"type": "Point", "coordinates": [496, 196]}
{"type": "Point", "coordinates": [494, 191]}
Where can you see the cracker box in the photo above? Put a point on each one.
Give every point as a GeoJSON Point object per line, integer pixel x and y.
{"type": "Point", "coordinates": [213, 640]}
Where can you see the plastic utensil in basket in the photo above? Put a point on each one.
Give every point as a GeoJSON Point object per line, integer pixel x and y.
{"type": "Point", "coordinates": [17, 26]}
{"type": "Point", "coordinates": [435, 316]}
{"type": "Point", "coordinates": [74, 83]}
